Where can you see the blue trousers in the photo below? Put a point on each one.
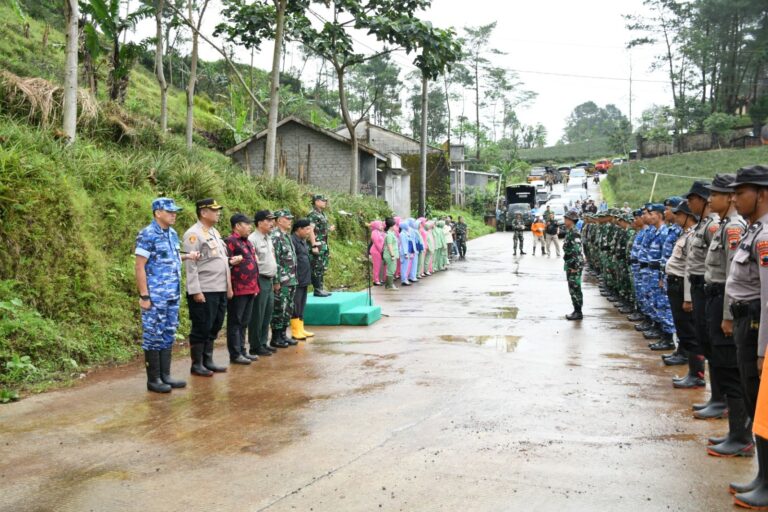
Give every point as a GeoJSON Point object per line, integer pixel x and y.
{"type": "Point", "coordinates": [159, 324]}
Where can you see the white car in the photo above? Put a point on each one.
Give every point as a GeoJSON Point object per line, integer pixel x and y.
{"type": "Point", "coordinates": [577, 177]}
{"type": "Point", "coordinates": [617, 161]}
{"type": "Point", "coordinates": [539, 184]}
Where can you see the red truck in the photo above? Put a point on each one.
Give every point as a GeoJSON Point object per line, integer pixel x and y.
{"type": "Point", "coordinates": [603, 166]}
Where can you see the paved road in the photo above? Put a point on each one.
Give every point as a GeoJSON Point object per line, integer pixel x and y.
{"type": "Point", "coordinates": [473, 394]}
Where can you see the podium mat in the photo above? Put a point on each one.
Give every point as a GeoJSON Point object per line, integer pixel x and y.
{"type": "Point", "coordinates": [341, 308]}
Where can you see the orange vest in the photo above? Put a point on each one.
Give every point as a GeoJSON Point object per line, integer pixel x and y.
{"type": "Point", "coordinates": [538, 229]}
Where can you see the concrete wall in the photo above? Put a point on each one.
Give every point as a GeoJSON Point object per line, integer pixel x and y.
{"type": "Point", "coordinates": [306, 156]}
{"type": "Point", "coordinates": [690, 142]}
{"type": "Point", "coordinates": [385, 141]}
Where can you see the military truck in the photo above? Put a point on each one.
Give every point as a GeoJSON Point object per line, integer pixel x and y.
{"type": "Point", "coordinates": [521, 198]}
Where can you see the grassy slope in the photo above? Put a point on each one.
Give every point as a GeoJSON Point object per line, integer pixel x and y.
{"type": "Point", "coordinates": [626, 183]}
{"type": "Point", "coordinates": [568, 153]}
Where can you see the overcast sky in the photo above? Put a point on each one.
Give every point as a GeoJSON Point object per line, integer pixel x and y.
{"type": "Point", "coordinates": [567, 51]}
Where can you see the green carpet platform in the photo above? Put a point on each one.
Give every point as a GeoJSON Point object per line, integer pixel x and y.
{"type": "Point", "coordinates": [341, 308]}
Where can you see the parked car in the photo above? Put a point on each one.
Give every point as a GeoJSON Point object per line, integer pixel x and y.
{"type": "Point", "coordinates": [603, 166]}
{"type": "Point", "coordinates": [617, 161]}
{"type": "Point", "coordinates": [542, 196]}
{"type": "Point", "coordinates": [537, 173]}
{"type": "Point", "coordinates": [577, 177]}
{"type": "Point", "coordinates": [539, 184]}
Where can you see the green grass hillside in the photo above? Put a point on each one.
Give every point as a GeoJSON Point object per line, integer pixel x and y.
{"type": "Point", "coordinates": [627, 183]}
{"type": "Point", "coordinates": [568, 153]}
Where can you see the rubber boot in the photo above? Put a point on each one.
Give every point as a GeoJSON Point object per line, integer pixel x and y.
{"type": "Point", "coordinates": [305, 332]}
{"type": "Point", "coordinates": [644, 325]}
{"type": "Point", "coordinates": [287, 339]}
{"type": "Point", "coordinates": [196, 352]}
{"type": "Point", "coordinates": [319, 289]}
{"type": "Point", "coordinates": [762, 460]}
{"type": "Point", "coordinates": [165, 370]}
{"type": "Point", "coordinates": [676, 358]}
{"type": "Point", "coordinates": [665, 343]}
{"type": "Point", "coordinates": [208, 359]}
{"type": "Point", "coordinates": [711, 441]}
{"type": "Point", "coordinates": [154, 382]}
{"type": "Point", "coordinates": [716, 407]}
{"type": "Point", "coordinates": [757, 498]}
{"type": "Point", "coordinates": [739, 440]}
{"type": "Point", "coordinates": [296, 332]}
{"type": "Point", "coordinates": [277, 340]}
{"type": "Point", "coordinates": [695, 377]}
{"type": "Point", "coordinates": [654, 333]}
{"type": "Point", "coordinates": [636, 316]}
{"type": "Point", "coordinates": [576, 315]}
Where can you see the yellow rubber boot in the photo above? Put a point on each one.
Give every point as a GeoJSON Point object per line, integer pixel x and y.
{"type": "Point", "coordinates": [304, 331]}
{"type": "Point", "coordinates": [296, 332]}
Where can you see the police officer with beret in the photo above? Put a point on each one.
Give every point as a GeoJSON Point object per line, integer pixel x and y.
{"type": "Point", "coordinates": [208, 286]}
{"type": "Point", "coordinates": [158, 278]}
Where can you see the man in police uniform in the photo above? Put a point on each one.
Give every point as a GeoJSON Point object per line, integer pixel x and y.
{"type": "Point", "coordinates": [320, 253]}
{"type": "Point", "coordinates": [285, 280]}
{"type": "Point", "coordinates": [573, 264]}
{"type": "Point", "coordinates": [261, 319]}
{"type": "Point", "coordinates": [158, 278]}
{"type": "Point", "coordinates": [698, 197]}
{"type": "Point", "coordinates": [747, 291]}
{"type": "Point", "coordinates": [208, 286]}
{"type": "Point", "coordinates": [723, 363]}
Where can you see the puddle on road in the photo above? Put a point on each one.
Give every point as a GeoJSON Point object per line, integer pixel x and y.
{"type": "Point", "coordinates": [499, 294]}
{"type": "Point", "coordinates": [509, 313]}
{"type": "Point", "coordinates": [500, 343]}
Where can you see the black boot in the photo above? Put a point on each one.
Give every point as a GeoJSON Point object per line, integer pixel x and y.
{"type": "Point", "coordinates": [762, 460]}
{"type": "Point", "coordinates": [757, 498]}
{"type": "Point", "coordinates": [665, 343]}
{"type": "Point", "coordinates": [152, 362]}
{"type": "Point", "coordinates": [644, 325]}
{"type": "Point", "coordinates": [208, 359]}
{"type": "Point", "coordinates": [716, 397]}
{"type": "Point", "coordinates": [317, 284]}
{"type": "Point", "coordinates": [196, 352]}
{"type": "Point", "coordinates": [576, 315]}
{"type": "Point", "coordinates": [636, 316]}
{"type": "Point", "coordinates": [677, 358]}
{"type": "Point", "coordinates": [711, 441]}
{"type": "Point", "coordinates": [739, 440]}
{"type": "Point", "coordinates": [277, 340]}
{"type": "Point", "coordinates": [165, 370]}
{"type": "Point", "coordinates": [287, 339]}
{"type": "Point", "coordinates": [695, 377]}
{"type": "Point", "coordinates": [654, 333]}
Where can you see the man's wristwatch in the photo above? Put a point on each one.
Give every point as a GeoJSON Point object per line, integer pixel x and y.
{"type": "Point", "coordinates": [144, 297]}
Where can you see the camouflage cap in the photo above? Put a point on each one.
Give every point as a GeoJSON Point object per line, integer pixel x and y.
{"type": "Point", "coordinates": [283, 213]}
{"type": "Point", "coordinates": [318, 197]}
{"type": "Point", "coordinates": [572, 215]}
{"type": "Point", "coordinates": [166, 204]}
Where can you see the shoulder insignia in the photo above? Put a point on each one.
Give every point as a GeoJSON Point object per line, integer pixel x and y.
{"type": "Point", "coordinates": [192, 239]}
{"type": "Point", "coordinates": [713, 228]}
{"type": "Point", "coordinates": [762, 252]}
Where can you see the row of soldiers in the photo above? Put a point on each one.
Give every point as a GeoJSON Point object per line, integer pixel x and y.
{"type": "Point", "coordinates": [695, 268]}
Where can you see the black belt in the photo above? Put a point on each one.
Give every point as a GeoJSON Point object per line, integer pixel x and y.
{"type": "Point", "coordinates": [266, 277]}
{"type": "Point", "coordinates": [643, 265]}
{"type": "Point", "coordinates": [696, 280]}
{"type": "Point", "coordinates": [742, 308]}
{"type": "Point", "coordinates": [654, 265]}
{"type": "Point", "coordinates": [675, 279]}
{"type": "Point", "coordinates": [714, 289]}
{"type": "Point", "coordinates": [633, 261]}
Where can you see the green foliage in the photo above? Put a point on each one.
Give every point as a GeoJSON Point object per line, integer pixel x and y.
{"type": "Point", "coordinates": [569, 153]}
{"type": "Point", "coordinates": [475, 223]}
{"type": "Point", "coordinates": [719, 125]}
{"type": "Point", "coordinates": [758, 112]}
{"type": "Point", "coordinates": [588, 121]}
{"type": "Point", "coordinates": [628, 184]}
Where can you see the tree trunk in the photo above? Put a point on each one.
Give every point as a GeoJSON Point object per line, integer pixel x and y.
{"type": "Point", "coordinates": [70, 74]}
{"type": "Point", "coordinates": [274, 92]}
{"type": "Point", "coordinates": [159, 71]}
{"type": "Point", "coordinates": [354, 178]}
{"type": "Point", "coordinates": [423, 147]}
{"type": "Point", "coordinates": [477, 111]}
{"type": "Point", "coordinates": [448, 113]}
{"type": "Point", "coordinates": [114, 85]}
{"type": "Point", "coordinates": [191, 82]}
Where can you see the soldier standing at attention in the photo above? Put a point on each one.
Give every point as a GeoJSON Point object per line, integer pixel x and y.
{"type": "Point", "coordinates": [723, 364]}
{"type": "Point", "coordinates": [158, 278]}
{"type": "Point", "coordinates": [208, 286]}
{"type": "Point", "coordinates": [518, 227]}
{"type": "Point", "coordinates": [285, 279]}
{"type": "Point", "coordinates": [319, 254]}
{"type": "Point", "coordinates": [300, 234]}
{"type": "Point", "coordinates": [551, 232]}
{"type": "Point", "coordinates": [462, 232]}
{"type": "Point", "coordinates": [747, 290]}
{"type": "Point", "coordinates": [573, 263]}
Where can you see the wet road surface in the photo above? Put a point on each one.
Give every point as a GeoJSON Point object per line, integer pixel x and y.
{"type": "Point", "coordinates": [474, 393]}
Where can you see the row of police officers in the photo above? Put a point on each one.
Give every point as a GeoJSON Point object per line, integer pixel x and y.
{"type": "Point", "coordinates": [696, 268]}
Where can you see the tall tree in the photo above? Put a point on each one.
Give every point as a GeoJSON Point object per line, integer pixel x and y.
{"type": "Point", "coordinates": [191, 7]}
{"type": "Point", "coordinates": [159, 8]}
{"type": "Point", "coordinates": [70, 72]}
{"type": "Point", "coordinates": [377, 82]}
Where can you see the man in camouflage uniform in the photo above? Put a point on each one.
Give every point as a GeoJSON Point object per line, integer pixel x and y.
{"type": "Point", "coordinates": [573, 264]}
{"type": "Point", "coordinates": [285, 280]}
{"type": "Point", "coordinates": [634, 264]}
{"type": "Point", "coordinates": [158, 278]}
{"type": "Point", "coordinates": [320, 253]}
{"type": "Point", "coordinates": [518, 227]}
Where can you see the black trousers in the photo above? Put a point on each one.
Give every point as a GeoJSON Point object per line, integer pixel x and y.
{"type": "Point", "coordinates": [683, 320]}
{"type": "Point", "coordinates": [299, 301]}
{"type": "Point", "coordinates": [462, 244]}
{"type": "Point", "coordinates": [206, 317]}
{"type": "Point", "coordinates": [745, 331]}
{"type": "Point", "coordinates": [239, 311]}
{"type": "Point", "coordinates": [699, 300]}
{"type": "Point", "coordinates": [723, 362]}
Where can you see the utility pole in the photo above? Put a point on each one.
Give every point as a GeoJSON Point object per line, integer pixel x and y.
{"type": "Point", "coordinates": [630, 91]}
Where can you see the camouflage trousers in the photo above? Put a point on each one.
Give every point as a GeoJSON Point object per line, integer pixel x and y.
{"type": "Point", "coordinates": [518, 240]}
{"type": "Point", "coordinates": [318, 264]}
{"type": "Point", "coordinates": [159, 324]}
{"type": "Point", "coordinates": [283, 308]}
{"type": "Point", "coordinates": [574, 288]}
